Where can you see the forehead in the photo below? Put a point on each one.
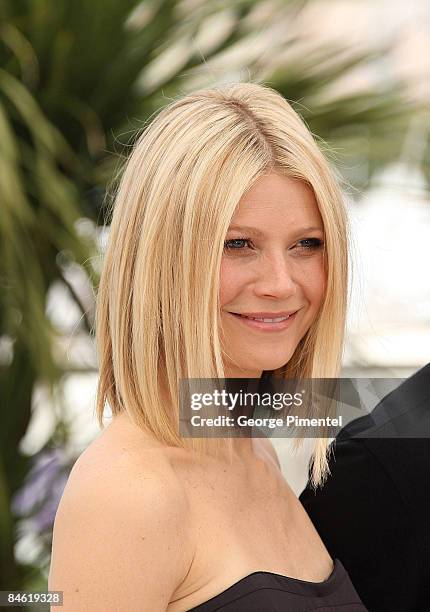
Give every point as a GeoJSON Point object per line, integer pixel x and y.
{"type": "Point", "coordinates": [275, 199]}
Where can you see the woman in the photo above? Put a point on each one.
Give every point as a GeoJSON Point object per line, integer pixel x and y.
{"type": "Point", "coordinates": [226, 213]}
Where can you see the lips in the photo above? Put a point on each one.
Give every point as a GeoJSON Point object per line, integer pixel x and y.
{"type": "Point", "coordinates": [270, 322]}
{"type": "Point", "coordinates": [265, 319]}
{"type": "Point", "coordinates": [266, 315]}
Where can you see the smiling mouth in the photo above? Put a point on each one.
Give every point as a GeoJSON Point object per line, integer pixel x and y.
{"type": "Point", "coordinates": [266, 323]}
{"type": "Point", "coordinates": [265, 319]}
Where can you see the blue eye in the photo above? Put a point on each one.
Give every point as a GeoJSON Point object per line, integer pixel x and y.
{"type": "Point", "coordinates": [310, 244]}
{"type": "Point", "coordinates": [240, 244]}
{"type": "Point", "coordinates": [235, 244]}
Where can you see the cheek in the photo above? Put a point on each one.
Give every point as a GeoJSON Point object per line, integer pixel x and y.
{"type": "Point", "coordinates": [315, 284]}
{"type": "Point", "coordinates": [232, 281]}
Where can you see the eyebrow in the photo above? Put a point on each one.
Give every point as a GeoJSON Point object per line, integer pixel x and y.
{"type": "Point", "coordinates": [257, 232]}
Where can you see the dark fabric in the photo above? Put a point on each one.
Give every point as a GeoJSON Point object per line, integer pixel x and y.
{"type": "Point", "coordinates": [268, 592]}
{"type": "Point", "coordinates": [373, 513]}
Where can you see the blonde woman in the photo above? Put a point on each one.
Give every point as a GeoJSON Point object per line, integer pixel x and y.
{"type": "Point", "coordinates": [226, 213]}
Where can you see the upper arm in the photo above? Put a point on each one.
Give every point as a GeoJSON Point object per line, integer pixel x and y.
{"type": "Point", "coordinates": [120, 541]}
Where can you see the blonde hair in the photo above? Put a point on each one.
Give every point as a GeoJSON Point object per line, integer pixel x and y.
{"type": "Point", "coordinates": [158, 315]}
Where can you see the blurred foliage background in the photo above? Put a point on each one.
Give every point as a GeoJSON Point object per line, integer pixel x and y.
{"type": "Point", "coordinates": [77, 79]}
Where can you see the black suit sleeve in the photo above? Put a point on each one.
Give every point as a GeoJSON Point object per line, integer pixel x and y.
{"type": "Point", "coordinates": [363, 520]}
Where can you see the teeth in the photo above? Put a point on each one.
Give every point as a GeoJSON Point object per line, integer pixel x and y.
{"type": "Point", "coordinates": [277, 320]}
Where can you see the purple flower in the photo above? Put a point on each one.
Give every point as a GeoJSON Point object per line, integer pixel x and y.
{"type": "Point", "coordinates": [40, 495]}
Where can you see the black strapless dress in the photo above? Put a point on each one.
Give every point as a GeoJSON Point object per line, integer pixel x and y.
{"type": "Point", "coordinates": [268, 592]}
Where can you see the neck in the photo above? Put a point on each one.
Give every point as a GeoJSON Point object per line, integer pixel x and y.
{"type": "Point", "coordinates": [244, 445]}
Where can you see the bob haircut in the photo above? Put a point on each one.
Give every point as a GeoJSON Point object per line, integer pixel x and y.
{"type": "Point", "coordinates": [158, 312]}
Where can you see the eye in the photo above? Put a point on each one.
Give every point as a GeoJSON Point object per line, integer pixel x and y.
{"type": "Point", "coordinates": [236, 244]}
{"type": "Point", "coordinates": [310, 244]}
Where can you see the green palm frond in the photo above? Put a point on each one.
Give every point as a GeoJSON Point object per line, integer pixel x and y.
{"type": "Point", "coordinates": [369, 123]}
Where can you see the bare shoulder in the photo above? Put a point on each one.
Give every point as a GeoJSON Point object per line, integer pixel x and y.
{"type": "Point", "coordinates": [122, 534]}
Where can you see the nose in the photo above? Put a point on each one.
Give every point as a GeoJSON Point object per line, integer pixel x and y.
{"type": "Point", "coordinates": [275, 277]}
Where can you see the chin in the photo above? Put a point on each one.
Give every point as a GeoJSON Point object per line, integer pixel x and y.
{"type": "Point", "coordinates": [262, 365]}
{"type": "Point", "coordinates": [275, 364]}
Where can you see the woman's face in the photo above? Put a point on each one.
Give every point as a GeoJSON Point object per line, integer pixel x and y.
{"type": "Point", "coordinates": [272, 267]}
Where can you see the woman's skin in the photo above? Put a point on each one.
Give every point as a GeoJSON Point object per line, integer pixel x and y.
{"type": "Point", "coordinates": [146, 527]}
{"type": "Point", "coordinates": [279, 269]}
